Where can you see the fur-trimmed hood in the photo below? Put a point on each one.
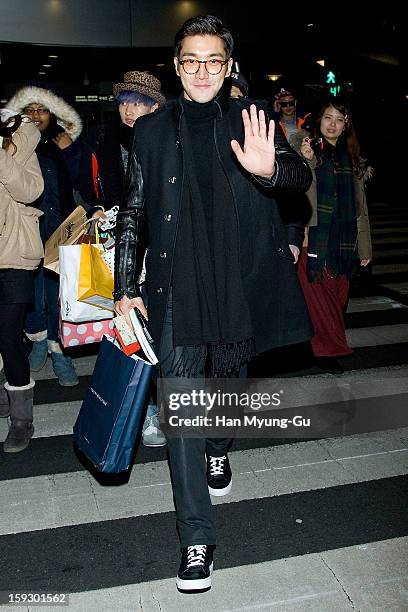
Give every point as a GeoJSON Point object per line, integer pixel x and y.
{"type": "Point", "coordinates": [66, 116]}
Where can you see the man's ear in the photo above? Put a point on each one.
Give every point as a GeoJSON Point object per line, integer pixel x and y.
{"type": "Point", "coordinates": [154, 107]}
{"type": "Point", "coordinates": [176, 66]}
{"type": "Point", "coordinates": [230, 61]}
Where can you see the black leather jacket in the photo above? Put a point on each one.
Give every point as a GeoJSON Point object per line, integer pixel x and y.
{"type": "Point", "coordinates": [131, 234]}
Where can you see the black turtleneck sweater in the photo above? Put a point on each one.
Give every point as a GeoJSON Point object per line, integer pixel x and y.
{"type": "Point", "coordinates": [200, 121]}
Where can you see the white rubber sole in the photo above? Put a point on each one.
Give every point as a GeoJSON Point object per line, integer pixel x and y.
{"type": "Point", "coordinates": [68, 384]}
{"type": "Point", "coordinates": [195, 585]}
{"type": "Point", "coordinates": [150, 445]}
{"type": "Point", "coordinates": [220, 492]}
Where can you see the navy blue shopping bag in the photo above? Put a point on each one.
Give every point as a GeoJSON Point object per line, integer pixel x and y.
{"type": "Point", "coordinates": [109, 418]}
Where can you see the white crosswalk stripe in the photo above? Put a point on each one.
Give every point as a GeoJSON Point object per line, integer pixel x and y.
{"type": "Point", "coordinates": [70, 499]}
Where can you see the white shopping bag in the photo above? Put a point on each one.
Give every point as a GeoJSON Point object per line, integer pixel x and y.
{"type": "Point", "coordinates": [71, 308]}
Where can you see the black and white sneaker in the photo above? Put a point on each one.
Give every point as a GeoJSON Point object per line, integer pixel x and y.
{"type": "Point", "coordinates": [194, 575]}
{"type": "Point", "coordinates": [219, 476]}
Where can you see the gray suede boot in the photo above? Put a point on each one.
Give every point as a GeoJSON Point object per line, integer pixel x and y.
{"type": "Point", "coordinates": [4, 402]}
{"type": "Point", "coordinates": [21, 417]}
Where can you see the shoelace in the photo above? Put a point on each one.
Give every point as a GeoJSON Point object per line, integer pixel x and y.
{"type": "Point", "coordinates": [196, 555]}
{"type": "Point", "coordinates": [217, 465]}
{"type": "Point", "coordinates": [149, 423]}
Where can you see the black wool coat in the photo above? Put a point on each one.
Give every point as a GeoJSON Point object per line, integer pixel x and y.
{"type": "Point", "coordinates": [277, 307]}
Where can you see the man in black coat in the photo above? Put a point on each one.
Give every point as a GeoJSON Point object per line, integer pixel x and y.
{"type": "Point", "coordinates": [222, 286]}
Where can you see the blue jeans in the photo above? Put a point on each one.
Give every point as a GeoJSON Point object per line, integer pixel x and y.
{"type": "Point", "coordinates": [45, 312]}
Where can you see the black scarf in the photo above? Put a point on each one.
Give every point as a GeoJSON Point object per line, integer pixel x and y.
{"type": "Point", "coordinates": [111, 163]}
{"type": "Point", "coordinates": [210, 311]}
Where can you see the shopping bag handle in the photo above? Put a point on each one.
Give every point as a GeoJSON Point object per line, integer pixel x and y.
{"type": "Point", "coordinates": [93, 231]}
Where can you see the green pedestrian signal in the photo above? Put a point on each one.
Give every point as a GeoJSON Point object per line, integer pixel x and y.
{"type": "Point", "coordinates": [331, 81]}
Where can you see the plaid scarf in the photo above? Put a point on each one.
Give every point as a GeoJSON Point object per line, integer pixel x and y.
{"type": "Point", "coordinates": [333, 241]}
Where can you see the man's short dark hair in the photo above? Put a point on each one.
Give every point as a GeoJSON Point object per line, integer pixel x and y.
{"type": "Point", "coordinates": [204, 25]}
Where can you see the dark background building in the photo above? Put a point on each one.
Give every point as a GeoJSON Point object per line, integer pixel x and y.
{"type": "Point", "coordinates": [79, 48]}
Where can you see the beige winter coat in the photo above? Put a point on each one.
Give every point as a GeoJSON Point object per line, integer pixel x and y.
{"type": "Point", "coordinates": [363, 222]}
{"type": "Point", "coordinates": [21, 183]}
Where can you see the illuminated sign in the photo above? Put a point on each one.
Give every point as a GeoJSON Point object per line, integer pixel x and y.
{"type": "Point", "coordinates": [94, 98]}
{"type": "Point", "coordinates": [331, 81]}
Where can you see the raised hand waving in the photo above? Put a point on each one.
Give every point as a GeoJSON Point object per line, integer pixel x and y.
{"type": "Point", "coordinates": [258, 154]}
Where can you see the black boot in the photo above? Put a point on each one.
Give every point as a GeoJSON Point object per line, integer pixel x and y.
{"type": "Point", "coordinates": [329, 365]}
{"type": "Point", "coordinates": [21, 417]}
{"type": "Point", "coordinates": [4, 402]}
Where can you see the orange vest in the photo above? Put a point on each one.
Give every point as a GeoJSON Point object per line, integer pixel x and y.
{"type": "Point", "coordinates": [299, 122]}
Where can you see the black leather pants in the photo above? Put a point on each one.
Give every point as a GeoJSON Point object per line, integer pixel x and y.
{"type": "Point", "coordinates": [194, 518]}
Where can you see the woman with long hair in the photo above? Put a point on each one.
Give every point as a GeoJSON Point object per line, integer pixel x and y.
{"type": "Point", "coordinates": [21, 250]}
{"type": "Point", "coordinates": [338, 233]}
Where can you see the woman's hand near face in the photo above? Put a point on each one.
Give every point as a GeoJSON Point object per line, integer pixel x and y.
{"type": "Point", "coordinates": [306, 150]}
{"type": "Point", "coordinates": [62, 140]}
